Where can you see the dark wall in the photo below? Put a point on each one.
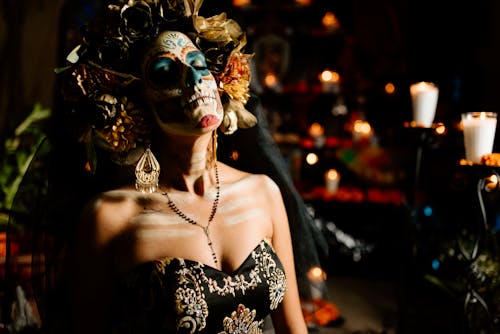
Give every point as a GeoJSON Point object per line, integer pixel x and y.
{"type": "Point", "coordinates": [456, 45]}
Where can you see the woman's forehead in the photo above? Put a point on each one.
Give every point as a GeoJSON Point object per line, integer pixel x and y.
{"type": "Point", "coordinates": [174, 42]}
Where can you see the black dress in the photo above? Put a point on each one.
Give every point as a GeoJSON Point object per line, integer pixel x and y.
{"type": "Point", "coordinates": [175, 295]}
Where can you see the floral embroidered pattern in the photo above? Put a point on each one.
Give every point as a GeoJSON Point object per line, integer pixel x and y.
{"type": "Point", "coordinates": [233, 284]}
{"type": "Point", "coordinates": [242, 321]}
{"type": "Point", "coordinates": [161, 264]}
{"type": "Point", "coordinates": [260, 277]}
{"type": "Point", "coordinates": [190, 302]}
{"type": "Point", "coordinates": [274, 276]}
{"type": "Point", "coordinates": [277, 287]}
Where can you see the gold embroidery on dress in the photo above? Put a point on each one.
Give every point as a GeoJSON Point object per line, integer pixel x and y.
{"type": "Point", "coordinates": [275, 277]}
{"type": "Point", "coordinates": [191, 305]}
{"type": "Point", "coordinates": [277, 288]}
{"type": "Point", "coordinates": [242, 321]}
{"type": "Point", "coordinates": [233, 284]}
{"type": "Point", "coordinates": [190, 301]}
{"type": "Point", "coordinates": [162, 263]}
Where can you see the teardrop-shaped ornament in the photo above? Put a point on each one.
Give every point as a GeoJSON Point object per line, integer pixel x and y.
{"type": "Point", "coordinates": [147, 172]}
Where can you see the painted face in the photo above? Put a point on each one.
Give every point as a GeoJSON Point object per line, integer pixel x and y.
{"type": "Point", "coordinates": [182, 91]}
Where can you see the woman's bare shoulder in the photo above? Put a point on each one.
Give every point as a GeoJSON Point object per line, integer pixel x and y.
{"type": "Point", "coordinates": [255, 182]}
{"type": "Point", "coordinates": [108, 213]}
{"type": "Point", "coordinates": [111, 200]}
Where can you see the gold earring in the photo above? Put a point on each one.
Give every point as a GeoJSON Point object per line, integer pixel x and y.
{"type": "Point", "coordinates": [147, 172]}
{"type": "Point", "coordinates": [214, 146]}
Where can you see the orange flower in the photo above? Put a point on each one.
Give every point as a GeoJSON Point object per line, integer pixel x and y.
{"type": "Point", "coordinates": [320, 312]}
{"type": "Point", "coordinates": [235, 79]}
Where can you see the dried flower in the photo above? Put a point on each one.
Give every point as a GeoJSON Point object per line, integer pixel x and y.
{"type": "Point", "coordinates": [235, 79]}
{"type": "Point", "coordinates": [136, 21]}
{"type": "Point", "coordinates": [105, 69]}
{"type": "Point", "coordinates": [126, 128]}
{"type": "Point", "coordinates": [218, 37]}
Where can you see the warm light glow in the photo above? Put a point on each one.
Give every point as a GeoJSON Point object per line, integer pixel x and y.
{"type": "Point", "coordinates": [316, 274]}
{"type": "Point", "coordinates": [303, 2]}
{"type": "Point", "coordinates": [235, 155]}
{"type": "Point", "coordinates": [332, 174]}
{"type": "Point", "coordinates": [440, 129]}
{"type": "Point", "coordinates": [390, 88]}
{"type": "Point", "coordinates": [312, 158]}
{"type": "Point", "coordinates": [316, 130]}
{"type": "Point", "coordinates": [362, 127]}
{"type": "Point", "coordinates": [329, 76]}
{"type": "Point", "coordinates": [491, 182]}
{"type": "Point", "coordinates": [241, 3]}
{"type": "Point", "coordinates": [270, 80]}
{"type": "Point", "coordinates": [330, 21]}
{"type": "Point", "coordinates": [421, 87]}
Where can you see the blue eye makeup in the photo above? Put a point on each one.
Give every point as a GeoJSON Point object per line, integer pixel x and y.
{"type": "Point", "coordinates": [163, 72]}
{"type": "Point", "coordinates": [197, 60]}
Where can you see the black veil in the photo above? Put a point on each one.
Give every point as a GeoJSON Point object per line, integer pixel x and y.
{"type": "Point", "coordinates": [259, 153]}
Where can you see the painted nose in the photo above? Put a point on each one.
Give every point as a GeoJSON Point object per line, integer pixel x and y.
{"type": "Point", "coordinates": [193, 77]}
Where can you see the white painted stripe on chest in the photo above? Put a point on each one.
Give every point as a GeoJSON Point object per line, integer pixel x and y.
{"type": "Point", "coordinates": [253, 214]}
{"type": "Point", "coordinates": [165, 233]}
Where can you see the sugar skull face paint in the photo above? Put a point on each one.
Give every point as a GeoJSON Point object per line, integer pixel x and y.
{"type": "Point", "coordinates": [182, 91]}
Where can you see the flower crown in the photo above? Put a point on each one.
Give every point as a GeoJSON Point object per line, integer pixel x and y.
{"type": "Point", "coordinates": [102, 82]}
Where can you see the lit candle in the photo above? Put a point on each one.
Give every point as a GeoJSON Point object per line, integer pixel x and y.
{"type": "Point", "coordinates": [424, 97]}
{"type": "Point", "coordinates": [317, 133]}
{"type": "Point", "coordinates": [329, 81]}
{"type": "Point", "coordinates": [361, 130]}
{"type": "Point", "coordinates": [330, 22]}
{"type": "Point", "coordinates": [317, 277]}
{"type": "Point", "coordinates": [479, 134]}
{"type": "Point", "coordinates": [332, 178]}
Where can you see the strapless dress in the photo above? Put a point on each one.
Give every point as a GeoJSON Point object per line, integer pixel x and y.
{"type": "Point", "coordinates": [176, 295]}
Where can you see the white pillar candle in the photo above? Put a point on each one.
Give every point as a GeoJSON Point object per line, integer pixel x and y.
{"type": "Point", "coordinates": [424, 97]}
{"type": "Point", "coordinates": [332, 178]}
{"type": "Point", "coordinates": [317, 277]}
{"type": "Point", "coordinates": [479, 134]}
{"type": "Point", "coordinates": [329, 81]}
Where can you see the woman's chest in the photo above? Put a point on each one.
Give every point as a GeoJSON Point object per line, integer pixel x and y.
{"type": "Point", "coordinates": [155, 234]}
{"type": "Point", "coordinates": [175, 293]}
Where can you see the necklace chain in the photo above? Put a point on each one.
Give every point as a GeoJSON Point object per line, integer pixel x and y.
{"type": "Point", "coordinates": [190, 220]}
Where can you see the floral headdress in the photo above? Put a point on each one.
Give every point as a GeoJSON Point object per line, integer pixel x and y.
{"type": "Point", "coordinates": [102, 84]}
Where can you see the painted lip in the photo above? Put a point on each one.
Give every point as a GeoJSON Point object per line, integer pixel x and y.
{"type": "Point", "coordinates": [207, 120]}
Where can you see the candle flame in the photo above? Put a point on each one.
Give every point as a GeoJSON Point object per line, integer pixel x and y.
{"type": "Point", "coordinates": [421, 87]}
{"type": "Point", "coordinates": [329, 76]}
{"type": "Point", "coordinates": [312, 158]}
{"type": "Point", "coordinates": [316, 130]}
{"type": "Point", "coordinates": [316, 274]}
{"type": "Point", "coordinates": [332, 174]}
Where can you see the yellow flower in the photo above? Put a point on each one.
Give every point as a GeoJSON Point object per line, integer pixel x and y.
{"type": "Point", "coordinates": [126, 130]}
{"type": "Point", "coordinates": [235, 79]}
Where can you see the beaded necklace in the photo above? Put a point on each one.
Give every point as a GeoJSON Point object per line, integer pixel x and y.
{"type": "Point", "coordinates": [190, 220]}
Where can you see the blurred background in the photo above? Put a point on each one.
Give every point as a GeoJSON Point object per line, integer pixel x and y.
{"type": "Point", "coordinates": [411, 230]}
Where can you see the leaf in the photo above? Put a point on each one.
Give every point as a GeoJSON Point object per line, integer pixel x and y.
{"type": "Point", "coordinates": [37, 114]}
{"type": "Point", "coordinates": [14, 186]}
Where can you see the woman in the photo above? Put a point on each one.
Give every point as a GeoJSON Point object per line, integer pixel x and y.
{"type": "Point", "coordinates": [199, 246]}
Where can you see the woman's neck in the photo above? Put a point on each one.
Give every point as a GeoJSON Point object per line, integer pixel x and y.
{"type": "Point", "coordinates": [183, 162]}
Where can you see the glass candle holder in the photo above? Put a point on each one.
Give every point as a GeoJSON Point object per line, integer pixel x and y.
{"type": "Point", "coordinates": [479, 129]}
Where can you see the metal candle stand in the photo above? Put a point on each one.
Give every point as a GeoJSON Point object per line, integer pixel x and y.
{"type": "Point", "coordinates": [483, 242]}
{"type": "Point", "coordinates": [424, 138]}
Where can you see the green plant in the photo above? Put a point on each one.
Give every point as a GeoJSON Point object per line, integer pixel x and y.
{"type": "Point", "coordinates": [20, 152]}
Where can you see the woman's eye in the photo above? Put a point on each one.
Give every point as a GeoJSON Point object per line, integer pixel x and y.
{"type": "Point", "coordinates": [163, 72]}
{"type": "Point", "coordinates": [197, 60]}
